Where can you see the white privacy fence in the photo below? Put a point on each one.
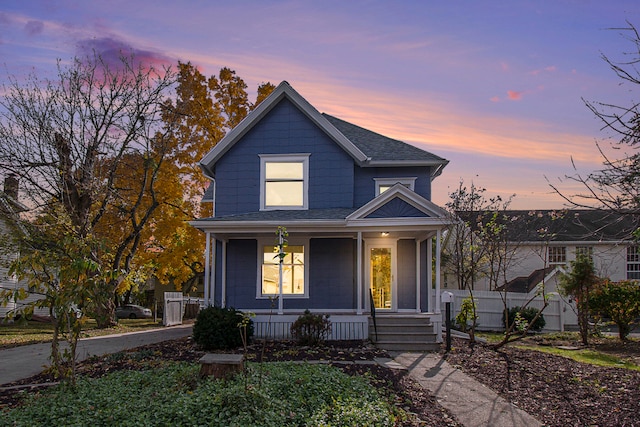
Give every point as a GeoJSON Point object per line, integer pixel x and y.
{"type": "Point", "coordinates": [174, 307]}
{"type": "Point", "coordinates": [558, 315]}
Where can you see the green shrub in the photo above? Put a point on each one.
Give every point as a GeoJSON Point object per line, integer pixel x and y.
{"type": "Point", "coordinates": [311, 329]}
{"type": "Point", "coordinates": [216, 328]}
{"type": "Point", "coordinates": [523, 317]}
{"type": "Point", "coordinates": [467, 319]}
{"type": "Point", "coordinates": [619, 301]}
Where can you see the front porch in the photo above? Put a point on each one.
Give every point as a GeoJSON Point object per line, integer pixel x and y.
{"type": "Point", "coordinates": [391, 331]}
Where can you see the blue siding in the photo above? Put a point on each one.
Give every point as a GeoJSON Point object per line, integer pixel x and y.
{"type": "Point", "coordinates": [406, 274]}
{"type": "Point", "coordinates": [365, 186]}
{"type": "Point", "coordinates": [284, 130]}
{"type": "Point", "coordinates": [396, 208]}
{"type": "Point", "coordinates": [424, 289]}
{"type": "Point", "coordinates": [331, 274]}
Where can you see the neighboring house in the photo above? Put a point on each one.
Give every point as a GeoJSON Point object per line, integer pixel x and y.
{"type": "Point", "coordinates": [356, 206]}
{"type": "Point", "coordinates": [544, 242]}
{"type": "Point", "coordinates": [9, 209]}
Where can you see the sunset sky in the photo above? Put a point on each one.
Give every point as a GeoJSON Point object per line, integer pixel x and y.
{"type": "Point", "coordinates": [496, 87]}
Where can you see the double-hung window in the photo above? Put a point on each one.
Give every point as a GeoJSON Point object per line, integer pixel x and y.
{"type": "Point", "coordinates": [557, 255]}
{"type": "Point", "coordinates": [284, 181]}
{"type": "Point", "coordinates": [633, 262]}
{"type": "Point", "coordinates": [294, 277]}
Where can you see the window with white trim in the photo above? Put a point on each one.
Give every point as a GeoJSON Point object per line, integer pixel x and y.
{"type": "Point", "coordinates": [585, 251]}
{"type": "Point", "coordinates": [284, 181]}
{"type": "Point", "coordinates": [294, 271]}
{"type": "Point", "coordinates": [557, 255]}
{"type": "Point", "coordinates": [633, 262]}
{"type": "Point", "coordinates": [383, 184]}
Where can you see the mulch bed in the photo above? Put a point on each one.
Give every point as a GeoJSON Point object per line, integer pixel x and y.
{"type": "Point", "coordinates": [554, 389]}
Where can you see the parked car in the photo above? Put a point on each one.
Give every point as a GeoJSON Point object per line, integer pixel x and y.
{"type": "Point", "coordinates": [132, 311]}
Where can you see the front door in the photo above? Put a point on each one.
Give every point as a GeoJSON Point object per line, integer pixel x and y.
{"type": "Point", "coordinates": [381, 275]}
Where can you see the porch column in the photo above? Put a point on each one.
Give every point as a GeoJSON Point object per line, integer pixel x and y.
{"type": "Point", "coordinates": [418, 275]}
{"type": "Point", "coordinates": [207, 267]}
{"type": "Point", "coordinates": [438, 249]}
{"type": "Point", "coordinates": [212, 273]}
{"type": "Point", "coordinates": [224, 273]}
{"type": "Point", "coordinates": [359, 284]}
{"type": "Point", "coordinates": [430, 300]}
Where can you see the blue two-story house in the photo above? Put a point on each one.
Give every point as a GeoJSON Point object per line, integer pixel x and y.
{"type": "Point", "coordinates": [363, 236]}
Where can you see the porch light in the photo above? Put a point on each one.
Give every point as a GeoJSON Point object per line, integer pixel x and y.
{"type": "Point", "coordinates": [384, 234]}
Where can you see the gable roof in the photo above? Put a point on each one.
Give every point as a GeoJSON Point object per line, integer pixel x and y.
{"type": "Point", "coordinates": [367, 148]}
{"type": "Point", "coordinates": [526, 284]}
{"type": "Point", "coordinates": [568, 225]}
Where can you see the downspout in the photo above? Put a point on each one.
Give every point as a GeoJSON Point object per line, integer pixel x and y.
{"type": "Point", "coordinates": [224, 273]}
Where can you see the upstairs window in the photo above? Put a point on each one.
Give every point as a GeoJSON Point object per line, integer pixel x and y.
{"type": "Point", "coordinates": [633, 262]}
{"type": "Point", "coordinates": [284, 181]}
{"type": "Point", "coordinates": [584, 251]}
{"type": "Point", "coordinates": [557, 255]}
{"type": "Point", "coordinates": [383, 184]}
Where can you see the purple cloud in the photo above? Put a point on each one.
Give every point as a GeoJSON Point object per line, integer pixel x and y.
{"type": "Point", "coordinates": [111, 50]}
{"type": "Point", "coordinates": [34, 28]}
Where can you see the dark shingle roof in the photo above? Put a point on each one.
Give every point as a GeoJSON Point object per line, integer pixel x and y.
{"type": "Point", "coordinates": [570, 225]}
{"type": "Point", "coordinates": [379, 147]}
{"type": "Point", "coordinates": [527, 284]}
{"type": "Point", "coordinates": [287, 215]}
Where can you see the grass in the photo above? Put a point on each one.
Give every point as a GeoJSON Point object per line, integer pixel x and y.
{"type": "Point", "coordinates": [273, 394]}
{"type": "Point", "coordinates": [588, 356]}
{"type": "Point", "coordinates": [23, 333]}
{"type": "Point", "coordinates": [549, 342]}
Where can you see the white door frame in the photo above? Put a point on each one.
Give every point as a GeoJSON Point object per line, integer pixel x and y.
{"type": "Point", "coordinates": [383, 243]}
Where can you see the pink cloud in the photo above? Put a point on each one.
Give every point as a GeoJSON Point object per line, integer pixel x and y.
{"type": "Point", "coordinates": [514, 95]}
{"type": "Point", "coordinates": [494, 99]}
{"type": "Point", "coordinates": [549, 69]}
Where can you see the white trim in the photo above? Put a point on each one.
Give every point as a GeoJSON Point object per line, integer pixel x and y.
{"type": "Point", "coordinates": [285, 158]}
{"type": "Point", "coordinates": [223, 297]}
{"type": "Point", "coordinates": [359, 282]}
{"type": "Point", "coordinates": [296, 241]}
{"type": "Point", "coordinates": [207, 268]}
{"type": "Point", "coordinates": [408, 182]}
{"type": "Point", "coordinates": [212, 271]}
{"type": "Point", "coordinates": [433, 211]}
{"type": "Point", "coordinates": [436, 309]}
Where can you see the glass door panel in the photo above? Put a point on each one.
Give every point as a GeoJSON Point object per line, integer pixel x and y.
{"type": "Point", "coordinates": [381, 277]}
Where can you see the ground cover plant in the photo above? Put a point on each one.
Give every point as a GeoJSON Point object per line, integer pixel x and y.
{"type": "Point", "coordinates": [274, 394]}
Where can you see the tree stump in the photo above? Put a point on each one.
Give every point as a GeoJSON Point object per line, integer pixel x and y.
{"type": "Point", "coordinates": [220, 365]}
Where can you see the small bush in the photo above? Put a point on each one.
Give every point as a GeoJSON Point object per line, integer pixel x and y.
{"type": "Point", "coordinates": [522, 315]}
{"type": "Point", "coordinates": [465, 319]}
{"type": "Point", "coordinates": [311, 329]}
{"type": "Point", "coordinates": [216, 328]}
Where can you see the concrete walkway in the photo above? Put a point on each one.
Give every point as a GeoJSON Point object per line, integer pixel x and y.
{"type": "Point", "coordinates": [25, 361]}
{"type": "Point", "coordinates": [473, 404]}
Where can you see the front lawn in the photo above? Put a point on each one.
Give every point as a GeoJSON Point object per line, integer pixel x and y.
{"type": "Point", "coordinates": [272, 394]}
{"type": "Point", "coordinates": [31, 332]}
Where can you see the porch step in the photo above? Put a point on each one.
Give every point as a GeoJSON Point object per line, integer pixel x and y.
{"type": "Point", "coordinates": [404, 333]}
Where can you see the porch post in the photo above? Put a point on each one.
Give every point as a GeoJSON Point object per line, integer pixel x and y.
{"type": "Point", "coordinates": [430, 300]}
{"type": "Point", "coordinates": [418, 259]}
{"type": "Point", "coordinates": [359, 284]}
{"type": "Point", "coordinates": [207, 267]}
{"type": "Point", "coordinates": [224, 274]}
{"type": "Point", "coordinates": [212, 271]}
{"type": "Point", "coordinates": [438, 249]}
